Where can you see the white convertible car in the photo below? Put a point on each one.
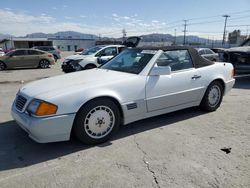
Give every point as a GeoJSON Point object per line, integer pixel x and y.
{"type": "Point", "coordinates": [137, 84]}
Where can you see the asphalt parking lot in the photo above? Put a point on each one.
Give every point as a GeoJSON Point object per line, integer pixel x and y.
{"type": "Point", "coordinates": [188, 148]}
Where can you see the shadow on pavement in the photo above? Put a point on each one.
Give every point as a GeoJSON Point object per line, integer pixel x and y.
{"type": "Point", "coordinates": [17, 150]}
{"type": "Point", "coordinates": [242, 82]}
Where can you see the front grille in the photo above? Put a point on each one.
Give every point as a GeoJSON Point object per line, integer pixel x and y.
{"type": "Point", "coordinates": [20, 102]}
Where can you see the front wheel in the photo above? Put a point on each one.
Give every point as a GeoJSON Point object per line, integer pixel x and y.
{"type": "Point", "coordinates": [97, 121]}
{"type": "Point", "coordinates": [213, 97]}
{"type": "Point", "coordinates": [44, 64]}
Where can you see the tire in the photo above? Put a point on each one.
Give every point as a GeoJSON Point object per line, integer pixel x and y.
{"type": "Point", "coordinates": [89, 66]}
{"type": "Point", "coordinates": [67, 71]}
{"type": "Point", "coordinates": [78, 68]}
{"type": "Point", "coordinates": [2, 66]}
{"type": "Point", "coordinates": [44, 64]}
{"type": "Point", "coordinates": [213, 97]}
{"type": "Point", "coordinates": [97, 121]}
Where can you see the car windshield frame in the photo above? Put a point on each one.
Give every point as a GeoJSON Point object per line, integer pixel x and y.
{"type": "Point", "coordinates": [246, 44]}
{"type": "Point", "coordinates": [91, 51]}
{"type": "Point", "coordinates": [140, 58]}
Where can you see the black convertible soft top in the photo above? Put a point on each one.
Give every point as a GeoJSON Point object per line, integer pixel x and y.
{"type": "Point", "coordinates": [198, 60]}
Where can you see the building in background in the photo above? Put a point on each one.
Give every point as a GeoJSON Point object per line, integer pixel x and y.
{"type": "Point", "coordinates": [64, 44]}
{"type": "Point", "coordinates": [72, 44]}
{"type": "Point", "coordinates": [235, 37]}
{"type": "Point", "coordinates": [24, 43]}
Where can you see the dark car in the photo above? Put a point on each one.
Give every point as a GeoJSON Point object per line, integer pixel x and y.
{"type": "Point", "coordinates": [51, 49]}
{"type": "Point", "coordinates": [239, 57]}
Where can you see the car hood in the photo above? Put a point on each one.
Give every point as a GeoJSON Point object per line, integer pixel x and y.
{"type": "Point", "coordinates": [53, 86]}
{"type": "Point", "coordinates": [239, 49]}
{"type": "Point", "coordinates": [77, 57]}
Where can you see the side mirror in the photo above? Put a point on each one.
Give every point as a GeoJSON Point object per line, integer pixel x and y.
{"type": "Point", "coordinates": [161, 70]}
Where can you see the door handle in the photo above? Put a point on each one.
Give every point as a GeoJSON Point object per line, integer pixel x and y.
{"type": "Point", "coordinates": [196, 77]}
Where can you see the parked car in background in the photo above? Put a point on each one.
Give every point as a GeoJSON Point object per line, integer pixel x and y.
{"type": "Point", "coordinates": [2, 53]}
{"type": "Point", "coordinates": [88, 59]}
{"type": "Point", "coordinates": [96, 56]}
{"type": "Point", "coordinates": [21, 58]}
{"type": "Point", "coordinates": [51, 49]}
{"type": "Point", "coordinates": [220, 52]}
{"type": "Point", "coordinates": [136, 84]}
{"type": "Point", "coordinates": [239, 57]}
{"type": "Point", "coordinates": [208, 54]}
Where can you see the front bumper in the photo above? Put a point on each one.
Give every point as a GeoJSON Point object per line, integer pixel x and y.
{"type": "Point", "coordinates": [229, 85]}
{"type": "Point", "coordinates": [68, 68]}
{"type": "Point", "coordinates": [46, 129]}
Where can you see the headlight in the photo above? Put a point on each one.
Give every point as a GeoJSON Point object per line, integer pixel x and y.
{"type": "Point", "coordinates": [65, 61]}
{"type": "Point", "coordinates": [41, 108]}
{"type": "Point", "coordinates": [76, 62]}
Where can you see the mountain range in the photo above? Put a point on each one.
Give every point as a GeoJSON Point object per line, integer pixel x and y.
{"type": "Point", "coordinates": [155, 37]}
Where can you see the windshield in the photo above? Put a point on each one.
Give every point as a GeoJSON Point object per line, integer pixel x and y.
{"type": "Point", "coordinates": [130, 61]}
{"type": "Point", "coordinates": [90, 51]}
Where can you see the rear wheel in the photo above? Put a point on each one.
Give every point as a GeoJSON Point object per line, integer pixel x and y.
{"type": "Point", "coordinates": [97, 121]}
{"type": "Point", "coordinates": [2, 66]}
{"type": "Point", "coordinates": [213, 97]}
{"type": "Point", "coordinates": [44, 64]}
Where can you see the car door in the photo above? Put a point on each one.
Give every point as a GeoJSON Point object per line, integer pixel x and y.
{"type": "Point", "coordinates": [108, 53]}
{"type": "Point", "coordinates": [33, 58]}
{"type": "Point", "coordinates": [17, 59]}
{"type": "Point", "coordinates": [182, 86]}
{"type": "Point", "coordinates": [241, 61]}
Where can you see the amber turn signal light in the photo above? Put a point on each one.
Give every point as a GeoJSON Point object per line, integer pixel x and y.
{"type": "Point", "coordinates": [45, 109]}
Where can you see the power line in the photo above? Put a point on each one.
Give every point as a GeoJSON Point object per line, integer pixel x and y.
{"type": "Point", "coordinates": [176, 24]}
{"type": "Point", "coordinates": [208, 17]}
{"type": "Point", "coordinates": [238, 25]}
{"type": "Point", "coordinates": [200, 23]}
{"type": "Point", "coordinates": [205, 32]}
{"type": "Point", "coordinates": [241, 17]}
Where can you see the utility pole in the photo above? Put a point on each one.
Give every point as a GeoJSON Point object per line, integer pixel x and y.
{"type": "Point", "coordinates": [213, 42]}
{"type": "Point", "coordinates": [185, 31]}
{"type": "Point", "coordinates": [174, 36]}
{"type": "Point", "coordinates": [225, 27]}
{"type": "Point", "coordinates": [124, 34]}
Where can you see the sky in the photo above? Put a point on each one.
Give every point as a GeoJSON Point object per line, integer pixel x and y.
{"type": "Point", "coordinates": [137, 17]}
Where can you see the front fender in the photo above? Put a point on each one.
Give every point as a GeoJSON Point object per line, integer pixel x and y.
{"type": "Point", "coordinates": [71, 102]}
{"type": "Point", "coordinates": [84, 62]}
{"type": "Point", "coordinates": [96, 94]}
